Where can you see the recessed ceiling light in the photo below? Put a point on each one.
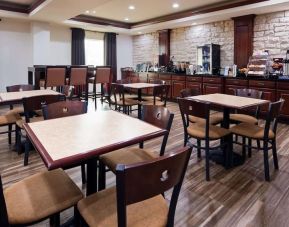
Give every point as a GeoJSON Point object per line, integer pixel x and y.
{"type": "Point", "coordinates": [131, 7]}
{"type": "Point", "coordinates": [93, 12]}
{"type": "Point", "coordinates": [87, 11]}
{"type": "Point", "coordinates": [176, 5]}
{"type": "Point", "coordinates": [126, 19]}
{"type": "Point", "coordinates": [194, 23]}
{"type": "Point", "coordinates": [139, 33]}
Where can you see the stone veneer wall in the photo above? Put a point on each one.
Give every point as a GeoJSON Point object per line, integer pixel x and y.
{"type": "Point", "coordinates": [271, 32]}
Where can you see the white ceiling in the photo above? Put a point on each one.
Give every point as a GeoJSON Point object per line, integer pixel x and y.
{"type": "Point", "coordinates": [145, 9]}
{"type": "Point", "coordinates": [60, 11]}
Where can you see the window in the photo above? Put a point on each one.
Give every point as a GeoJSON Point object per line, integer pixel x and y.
{"type": "Point", "coordinates": [94, 48]}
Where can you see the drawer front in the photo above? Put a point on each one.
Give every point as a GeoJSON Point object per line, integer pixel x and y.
{"type": "Point", "coordinates": [262, 84]}
{"type": "Point", "coordinates": [237, 82]}
{"type": "Point", "coordinates": [165, 77]}
{"type": "Point", "coordinates": [212, 80]}
{"type": "Point", "coordinates": [153, 75]}
{"type": "Point", "coordinates": [181, 78]}
{"type": "Point", "coordinates": [283, 86]}
{"type": "Point", "coordinates": [194, 79]}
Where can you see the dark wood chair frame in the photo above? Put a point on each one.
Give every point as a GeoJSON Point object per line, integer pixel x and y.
{"type": "Point", "coordinates": [156, 115]}
{"type": "Point", "coordinates": [162, 92]}
{"type": "Point", "coordinates": [268, 144]}
{"type": "Point", "coordinates": [60, 87]}
{"type": "Point", "coordinates": [31, 104]}
{"type": "Point", "coordinates": [202, 110]}
{"type": "Point", "coordinates": [187, 92]}
{"type": "Point", "coordinates": [65, 109]}
{"type": "Point", "coordinates": [77, 90]}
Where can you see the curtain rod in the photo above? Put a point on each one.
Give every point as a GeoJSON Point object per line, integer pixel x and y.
{"type": "Point", "coordinates": [97, 31]}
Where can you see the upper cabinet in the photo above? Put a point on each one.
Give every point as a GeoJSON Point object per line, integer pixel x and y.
{"type": "Point", "coordinates": [164, 47]}
{"type": "Point", "coordinates": [243, 39]}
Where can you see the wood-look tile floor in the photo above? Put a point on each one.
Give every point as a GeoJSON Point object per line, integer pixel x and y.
{"type": "Point", "coordinates": [220, 202]}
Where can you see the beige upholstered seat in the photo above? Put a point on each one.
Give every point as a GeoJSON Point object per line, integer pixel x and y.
{"type": "Point", "coordinates": [215, 118]}
{"type": "Point", "coordinates": [20, 122]}
{"type": "Point", "coordinates": [198, 131]}
{"type": "Point", "coordinates": [251, 131]}
{"type": "Point", "coordinates": [40, 196]}
{"type": "Point", "coordinates": [127, 156]}
{"type": "Point", "coordinates": [100, 209]}
{"type": "Point", "coordinates": [244, 118]}
{"type": "Point", "coordinates": [17, 110]}
{"type": "Point", "coordinates": [9, 119]}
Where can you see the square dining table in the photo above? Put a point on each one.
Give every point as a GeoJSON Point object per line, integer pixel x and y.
{"type": "Point", "coordinates": [229, 103]}
{"type": "Point", "coordinates": [72, 141]}
{"type": "Point", "coordinates": [10, 98]}
{"type": "Point", "coordinates": [139, 87]}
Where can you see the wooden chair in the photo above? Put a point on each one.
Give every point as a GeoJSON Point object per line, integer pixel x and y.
{"type": "Point", "coordinates": [245, 118]}
{"type": "Point", "coordinates": [78, 79]}
{"type": "Point", "coordinates": [265, 134]}
{"type": "Point", "coordinates": [32, 106]}
{"type": "Point", "coordinates": [160, 96]}
{"type": "Point", "coordinates": [137, 199]}
{"type": "Point", "coordinates": [55, 78]}
{"type": "Point", "coordinates": [36, 198]}
{"type": "Point", "coordinates": [65, 109]}
{"type": "Point", "coordinates": [156, 115]}
{"type": "Point", "coordinates": [103, 76]}
{"type": "Point", "coordinates": [119, 100]}
{"type": "Point", "coordinates": [203, 132]}
{"type": "Point", "coordinates": [150, 96]}
{"type": "Point", "coordinates": [215, 118]}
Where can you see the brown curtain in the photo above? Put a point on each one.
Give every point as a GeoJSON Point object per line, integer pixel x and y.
{"type": "Point", "coordinates": [110, 52]}
{"type": "Point", "coordinates": [77, 46]}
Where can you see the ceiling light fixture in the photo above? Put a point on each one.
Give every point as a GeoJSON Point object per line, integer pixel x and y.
{"type": "Point", "coordinates": [87, 11]}
{"type": "Point", "coordinates": [131, 7]}
{"type": "Point", "coordinates": [139, 33]}
{"type": "Point", "coordinates": [126, 19]}
{"type": "Point", "coordinates": [176, 5]}
{"type": "Point", "coordinates": [93, 12]}
{"type": "Point", "coordinates": [194, 23]}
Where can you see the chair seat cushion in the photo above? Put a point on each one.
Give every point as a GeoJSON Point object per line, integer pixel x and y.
{"type": "Point", "coordinates": [215, 118]}
{"type": "Point", "coordinates": [199, 131]}
{"type": "Point", "coordinates": [244, 118]}
{"type": "Point", "coordinates": [17, 110]}
{"type": "Point", "coordinates": [251, 131]}
{"type": "Point", "coordinates": [21, 121]}
{"type": "Point", "coordinates": [9, 119]}
{"type": "Point", "coordinates": [40, 196]}
{"type": "Point", "coordinates": [126, 156]}
{"type": "Point", "coordinates": [100, 209]}
{"type": "Point", "coordinates": [151, 98]}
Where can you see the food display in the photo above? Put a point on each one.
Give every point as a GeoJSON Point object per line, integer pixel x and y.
{"type": "Point", "coordinates": [259, 65]}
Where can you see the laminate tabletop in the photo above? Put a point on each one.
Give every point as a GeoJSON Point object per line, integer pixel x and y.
{"type": "Point", "coordinates": [140, 85]}
{"type": "Point", "coordinates": [10, 97]}
{"type": "Point", "coordinates": [71, 140]}
{"type": "Point", "coordinates": [229, 101]}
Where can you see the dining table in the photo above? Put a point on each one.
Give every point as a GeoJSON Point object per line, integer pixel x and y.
{"type": "Point", "coordinates": [81, 139]}
{"type": "Point", "coordinates": [228, 103]}
{"type": "Point", "coordinates": [139, 87]}
{"type": "Point", "coordinates": [11, 98]}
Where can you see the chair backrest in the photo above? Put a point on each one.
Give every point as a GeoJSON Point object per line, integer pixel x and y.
{"type": "Point", "coordinates": [187, 92]}
{"type": "Point", "coordinates": [118, 93]}
{"type": "Point", "coordinates": [64, 109]}
{"type": "Point", "coordinates": [20, 87]}
{"type": "Point", "coordinates": [160, 117]}
{"type": "Point", "coordinates": [55, 76]}
{"type": "Point", "coordinates": [162, 92]}
{"type": "Point", "coordinates": [103, 75]}
{"type": "Point", "coordinates": [189, 107]}
{"type": "Point", "coordinates": [272, 117]}
{"type": "Point", "coordinates": [250, 93]}
{"type": "Point", "coordinates": [3, 209]}
{"type": "Point", "coordinates": [33, 103]}
{"type": "Point", "coordinates": [78, 75]}
{"type": "Point", "coordinates": [160, 174]}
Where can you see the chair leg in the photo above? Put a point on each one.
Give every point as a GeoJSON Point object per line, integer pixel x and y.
{"type": "Point", "coordinates": [9, 133]}
{"type": "Point", "coordinates": [207, 162]}
{"type": "Point", "coordinates": [55, 220]}
{"type": "Point", "coordinates": [18, 140]}
{"type": "Point", "coordinates": [258, 145]}
{"type": "Point", "coordinates": [244, 148]}
{"type": "Point", "coordinates": [275, 157]}
{"type": "Point", "coordinates": [83, 174]}
{"type": "Point", "coordinates": [27, 150]}
{"type": "Point", "coordinates": [249, 148]}
{"type": "Point", "coordinates": [266, 162]}
{"type": "Point", "coordinates": [185, 139]}
{"type": "Point", "coordinates": [199, 148]}
{"type": "Point", "coordinates": [102, 176]}
{"type": "Point", "coordinates": [77, 217]}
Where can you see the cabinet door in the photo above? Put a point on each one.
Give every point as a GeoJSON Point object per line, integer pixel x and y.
{"type": "Point", "coordinates": [211, 89]}
{"type": "Point", "coordinates": [196, 86]}
{"type": "Point", "coordinates": [284, 95]}
{"type": "Point", "coordinates": [230, 90]}
{"type": "Point", "coordinates": [177, 86]}
{"type": "Point", "coordinates": [268, 94]}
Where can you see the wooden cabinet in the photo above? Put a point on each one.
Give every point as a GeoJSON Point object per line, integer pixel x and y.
{"type": "Point", "coordinates": [151, 78]}
{"type": "Point", "coordinates": [283, 92]}
{"type": "Point", "coordinates": [232, 84]}
{"type": "Point", "coordinates": [178, 84]}
{"type": "Point", "coordinates": [212, 85]}
{"type": "Point", "coordinates": [195, 85]}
